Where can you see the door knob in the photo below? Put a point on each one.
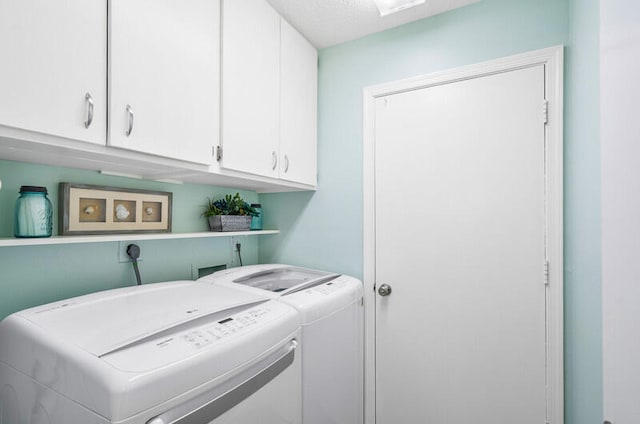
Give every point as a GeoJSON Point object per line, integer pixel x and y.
{"type": "Point", "coordinates": [384, 290]}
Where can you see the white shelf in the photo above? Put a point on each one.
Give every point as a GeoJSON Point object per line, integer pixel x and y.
{"type": "Point", "coordinates": [8, 242]}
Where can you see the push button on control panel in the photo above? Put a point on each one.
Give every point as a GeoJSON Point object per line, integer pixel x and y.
{"type": "Point", "coordinates": [197, 338]}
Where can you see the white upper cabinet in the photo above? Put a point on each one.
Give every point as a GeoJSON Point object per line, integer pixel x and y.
{"type": "Point", "coordinates": [154, 88]}
{"type": "Point", "coordinates": [164, 77]}
{"type": "Point", "coordinates": [53, 68]}
{"type": "Point", "coordinates": [298, 107]}
{"type": "Point", "coordinates": [269, 94]}
{"type": "Point", "coordinates": [250, 87]}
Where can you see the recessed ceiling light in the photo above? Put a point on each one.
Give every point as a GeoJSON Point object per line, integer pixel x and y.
{"type": "Point", "coordinates": [387, 7]}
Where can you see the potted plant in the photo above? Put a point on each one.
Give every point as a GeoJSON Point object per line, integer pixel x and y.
{"type": "Point", "coordinates": [231, 213]}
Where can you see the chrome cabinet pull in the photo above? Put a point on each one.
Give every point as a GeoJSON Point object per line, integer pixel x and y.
{"type": "Point", "coordinates": [286, 163]}
{"type": "Point", "coordinates": [89, 101]}
{"type": "Point", "coordinates": [274, 161]}
{"type": "Point", "coordinates": [130, 119]}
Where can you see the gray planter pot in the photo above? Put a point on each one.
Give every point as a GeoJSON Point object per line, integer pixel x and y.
{"type": "Point", "coordinates": [229, 223]}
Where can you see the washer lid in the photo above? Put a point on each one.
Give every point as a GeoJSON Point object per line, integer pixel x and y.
{"type": "Point", "coordinates": [103, 322]}
{"type": "Point", "coordinates": [286, 280]}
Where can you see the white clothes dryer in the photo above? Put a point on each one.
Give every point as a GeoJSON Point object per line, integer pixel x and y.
{"type": "Point", "coordinates": [332, 312]}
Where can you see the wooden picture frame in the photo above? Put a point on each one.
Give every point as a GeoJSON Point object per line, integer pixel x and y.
{"type": "Point", "coordinates": [90, 210]}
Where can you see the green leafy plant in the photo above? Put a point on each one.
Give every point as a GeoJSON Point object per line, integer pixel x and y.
{"type": "Point", "coordinates": [228, 205]}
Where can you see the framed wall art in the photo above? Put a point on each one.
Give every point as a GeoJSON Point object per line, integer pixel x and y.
{"type": "Point", "coordinates": [87, 209]}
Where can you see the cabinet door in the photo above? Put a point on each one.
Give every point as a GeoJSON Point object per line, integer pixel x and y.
{"type": "Point", "coordinates": [298, 107]}
{"type": "Point", "coordinates": [164, 58]}
{"type": "Point", "coordinates": [250, 86]}
{"type": "Point", "coordinates": [53, 55]}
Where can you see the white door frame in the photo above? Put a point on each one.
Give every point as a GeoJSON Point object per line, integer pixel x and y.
{"type": "Point", "coordinates": [553, 59]}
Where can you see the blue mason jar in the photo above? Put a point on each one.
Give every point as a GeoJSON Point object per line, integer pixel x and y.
{"type": "Point", "coordinates": [256, 221]}
{"type": "Point", "coordinates": [33, 213]}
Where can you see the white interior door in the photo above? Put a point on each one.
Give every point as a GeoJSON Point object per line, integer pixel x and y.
{"type": "Point", "coordinates": [460, 238]}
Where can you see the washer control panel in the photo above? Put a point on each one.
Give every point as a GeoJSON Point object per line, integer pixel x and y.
{"type": "Point", "coordinates": [224, 328]}
{"type": "Point", "coordinates": [329, 287]}
{"type": "Point", "coordinates": [158, 352]}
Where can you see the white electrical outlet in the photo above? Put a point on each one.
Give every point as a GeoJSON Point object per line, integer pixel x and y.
{"type": "Point", "coordinates": [122, 251]}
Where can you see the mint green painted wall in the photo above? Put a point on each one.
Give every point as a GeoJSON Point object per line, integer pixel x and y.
{"type": "Point", "coordinates": [32, 275]}
{"type": "Point", "coordinates": [583, 277]}
{"type": "Point", "coordinates": [323, 229]}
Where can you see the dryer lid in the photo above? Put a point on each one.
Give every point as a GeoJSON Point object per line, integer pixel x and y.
{"type": "Point", "coordinates": [103, 322]}
{"type": "Point", "coordinates": [286, 280]}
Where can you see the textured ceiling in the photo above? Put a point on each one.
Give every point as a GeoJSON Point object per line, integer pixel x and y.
{"type": "Point", "coordinates": [329, 22]}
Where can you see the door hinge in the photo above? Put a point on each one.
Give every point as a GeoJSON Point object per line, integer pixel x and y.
{"type": "Point", "coordinates": [362, 301]}
{"type": "Point", "coordinates": [546, 273]}
{"type": "Point", "coordinates": [545, 112]}
{"type": "Point", "coordinates": [218, 153]}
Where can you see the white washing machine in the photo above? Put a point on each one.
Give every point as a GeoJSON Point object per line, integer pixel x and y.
{"type": "Point", "coordinates": [179, 353]}
{"type": "Point", "coordinates": [331, 308]}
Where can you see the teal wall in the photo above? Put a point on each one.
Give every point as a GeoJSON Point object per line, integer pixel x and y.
{"type": "Point", "coordinates": [583, 277]}
{"type": "Point", "coordinates": [32, 275]}
{"type": "Point", "coordinates": [324, 230]}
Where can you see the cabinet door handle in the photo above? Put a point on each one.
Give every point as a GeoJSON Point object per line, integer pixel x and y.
{"type": "Point", "coordinates": [286, 163]}
{"type": "Point", "coordinates": [89, 101]}
{"type": "Point", "coordinates": [130, 119]}
{"type": "Point", "coordinates": [274, 161]}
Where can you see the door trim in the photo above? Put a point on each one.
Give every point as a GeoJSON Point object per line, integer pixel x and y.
{"type": "Point", "coordinates": [553, 59]}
